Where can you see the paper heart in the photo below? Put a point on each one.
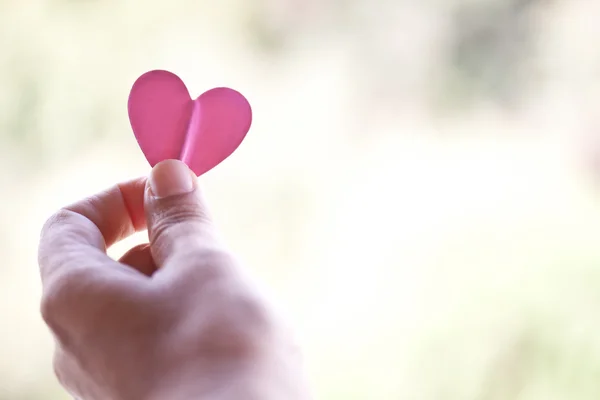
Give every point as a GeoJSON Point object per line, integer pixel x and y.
{"type": "Point", "coordinates": [168, 124]}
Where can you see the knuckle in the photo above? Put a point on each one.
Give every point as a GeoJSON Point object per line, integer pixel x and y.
{"type": "Point", "coordinates": [60, 294]}
{"type": "Point", "coordinates": [180, 213]}
{"type": "Point", "coordinates": [179, 220]}
{"type": "Point", "coordinates": [64, 225]}
{"type": "Point", "coordinates": [58, 218]}
{"type": "Point", "coordinates": [51, 308]}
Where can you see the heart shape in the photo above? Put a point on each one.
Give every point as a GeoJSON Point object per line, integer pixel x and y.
{"type": "Point", "coordinates": [168, 124]}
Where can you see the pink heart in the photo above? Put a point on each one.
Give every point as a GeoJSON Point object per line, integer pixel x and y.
{"type": "Point", "coordinates": [168, 124]}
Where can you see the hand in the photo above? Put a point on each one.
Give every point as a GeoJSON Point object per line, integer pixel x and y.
{"type": "Point", "coordinates": [173, 319]}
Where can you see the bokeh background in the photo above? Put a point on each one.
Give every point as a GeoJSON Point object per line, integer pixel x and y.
{"type": "Point", "coordinates": [419, 188]}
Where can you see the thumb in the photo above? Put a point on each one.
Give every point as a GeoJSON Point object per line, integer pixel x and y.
{"type": "Point", "coordinates": [176, 214]}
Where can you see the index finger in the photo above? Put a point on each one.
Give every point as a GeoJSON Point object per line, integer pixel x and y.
{"type": "Point", "coordinates": [79, 234]}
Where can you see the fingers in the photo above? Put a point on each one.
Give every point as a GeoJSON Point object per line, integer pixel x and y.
{"type": "Point", "coordinates": [176, 214]}
{"type": "Point", "coordinates": [74, 264]}
{"type": "Point", "coordinates": [79, 234]}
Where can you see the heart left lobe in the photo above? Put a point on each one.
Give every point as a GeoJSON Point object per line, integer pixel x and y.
{"type": "Point", "coordinates": [160, 109]}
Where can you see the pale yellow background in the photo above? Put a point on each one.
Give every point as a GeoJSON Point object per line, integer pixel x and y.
{"type": "Point", "coordinates": [419, 188]}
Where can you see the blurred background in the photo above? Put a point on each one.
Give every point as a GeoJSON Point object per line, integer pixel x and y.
{"type": "Point", "coordinates": [420, 186]}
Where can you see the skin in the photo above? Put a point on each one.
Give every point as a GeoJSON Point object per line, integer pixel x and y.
{"type": "Point", "coordinates": [172, 319]}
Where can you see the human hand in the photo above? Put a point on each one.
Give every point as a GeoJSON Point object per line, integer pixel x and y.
{"type": "Point", "coordinates": [173, 319]}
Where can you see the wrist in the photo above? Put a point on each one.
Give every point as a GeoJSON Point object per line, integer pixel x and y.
{"type": "Point", "coordinates": [250, 380]}
{"type": "Point", "coordinates": [208, 381]}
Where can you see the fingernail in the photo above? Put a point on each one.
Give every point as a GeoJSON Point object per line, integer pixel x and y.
{"type": "Point", "coordinates": [171, 178]}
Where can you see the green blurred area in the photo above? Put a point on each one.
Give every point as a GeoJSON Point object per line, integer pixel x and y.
{"type": "Point", "coordinates": [419, 186]}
